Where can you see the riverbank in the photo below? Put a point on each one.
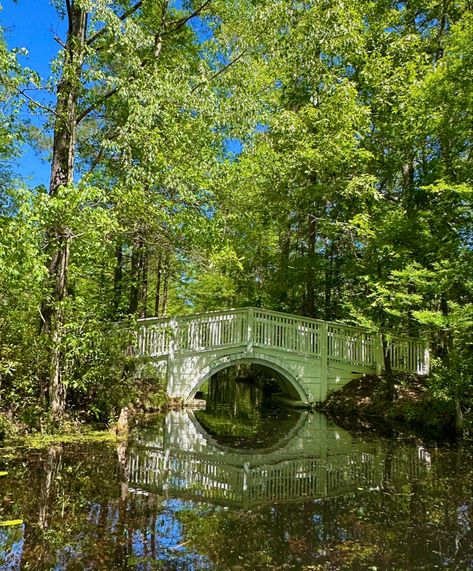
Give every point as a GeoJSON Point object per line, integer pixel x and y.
{"type": "Point", "coordinates": [26, 428]}
{"type": "Point", "coordinates": [363, 406]}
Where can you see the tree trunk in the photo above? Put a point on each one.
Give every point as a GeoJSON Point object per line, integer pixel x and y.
{"type": "Point", "coordinates": [139, 278]}
{"type": "Point", "coordinates": [310, 280]}
{"type": "Point", "coordinates": [62, 175]}
{"type": "Point", "coordinates": [167, 271]}
{"type": "Point", "coordinates": [283, 278]}
{"type": "Point", "coordinates": [57, 389]}
{"type": "Point", "coordinates": [117, 280]}
{"type": "Point", "coordinates": [159, 275]}
{"type": "Point", "coordinates": [135, 276]}
{"type": "Point", "coordinates": [143, 290]}
{"type": "Point", "coordinates": [329, 257]}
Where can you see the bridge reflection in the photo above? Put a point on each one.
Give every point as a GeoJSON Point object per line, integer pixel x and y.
{"type": "Point", "coordinates": [315, 460]}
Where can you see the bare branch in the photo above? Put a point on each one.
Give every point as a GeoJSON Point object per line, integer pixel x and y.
{"type": "Point", "coordinates": [95, 162]}
{"type": "Point", "coordinates": [124, 16]}
{"type": "Point", "coordinates": [184, 21]}
{"type": "Point", "coordinates": [60, 42]}
{"type": "Point", "coordinates": [31, 99]}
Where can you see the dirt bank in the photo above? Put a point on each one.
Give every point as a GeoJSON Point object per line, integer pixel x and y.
{"type": "Point", "coordinates": [363, 405]}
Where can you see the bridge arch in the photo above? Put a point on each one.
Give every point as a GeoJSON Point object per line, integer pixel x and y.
{"type": "Point", "coordinates": [287, 380]}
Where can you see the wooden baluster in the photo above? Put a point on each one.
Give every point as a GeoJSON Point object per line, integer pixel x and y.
{"type": "Point", "coordinates": [153, 333]}
{"type": "Point", "coordinates": [324, 355]}
{"type": "Point", "coordinates": [153, 350]}
{"type": "Point", "coordinates": [250, 326]}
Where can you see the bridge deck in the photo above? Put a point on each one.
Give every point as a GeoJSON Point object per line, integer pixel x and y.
{"type": "Point", "coordinates": [290, 334]}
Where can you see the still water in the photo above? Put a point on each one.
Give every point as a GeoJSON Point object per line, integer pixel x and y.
{"type": "Point", "coordinates": [244, 484]}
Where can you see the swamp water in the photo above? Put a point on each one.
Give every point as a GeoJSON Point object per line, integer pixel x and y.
{"type": "Point", "coordinates": [241, 485]}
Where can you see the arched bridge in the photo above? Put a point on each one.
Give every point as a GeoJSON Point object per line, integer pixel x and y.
{"type": "Point", "coordinates": [308, 357]}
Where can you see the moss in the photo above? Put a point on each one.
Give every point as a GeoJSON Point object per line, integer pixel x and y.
{"type": "Point", "coordinates": [38, 441]}
{"type": "Point", "coordinates": [33, 427]}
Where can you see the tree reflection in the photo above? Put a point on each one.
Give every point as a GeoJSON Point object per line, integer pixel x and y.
{"type": "Point", "coordinates": [81, 512]}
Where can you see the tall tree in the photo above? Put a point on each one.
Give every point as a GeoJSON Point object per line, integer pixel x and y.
{"type": "Point", "coordinates": [135, 87]}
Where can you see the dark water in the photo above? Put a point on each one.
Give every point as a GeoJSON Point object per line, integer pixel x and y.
{"type": "Point", "coordinates": [242, 485]}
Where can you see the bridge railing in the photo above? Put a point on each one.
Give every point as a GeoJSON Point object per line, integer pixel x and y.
{"type": "Point", "coordinates": [286, 332]}
{"type": "Point", "coordinates": [189, 333]}
{"type": "Point", "coordinates": [409, 355]}
{"type": "Point", "coordinates": [253, 327]}
{"type": "Point", "coordinates": [352, 345]}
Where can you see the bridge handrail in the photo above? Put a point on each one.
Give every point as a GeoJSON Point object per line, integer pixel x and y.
{"type": "Point", "coordinates": [292, 316]}
{"type": "Point", "coordinates": [311, 319]}
{"type": "Point", "coordinates": [192, 316]}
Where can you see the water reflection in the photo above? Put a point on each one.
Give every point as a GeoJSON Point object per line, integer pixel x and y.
{"type": "Point", "coordinates": [315, 460]}
{"type": "Point", "coordinates": [245, 450]}
{"type": "Point", "coordinates": [176, 497]}
{"type": "Point", "coordinates": [240, 410]}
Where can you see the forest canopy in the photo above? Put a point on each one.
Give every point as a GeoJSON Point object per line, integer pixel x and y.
{"type": "Point", "coordinates": [310, 157]}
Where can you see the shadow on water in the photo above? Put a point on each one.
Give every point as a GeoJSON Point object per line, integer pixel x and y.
{"type": "Point", "coordinates": [238, 487]}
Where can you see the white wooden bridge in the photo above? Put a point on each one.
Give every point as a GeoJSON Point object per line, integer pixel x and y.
{"type": "Point", "coordinates": [308, 357]}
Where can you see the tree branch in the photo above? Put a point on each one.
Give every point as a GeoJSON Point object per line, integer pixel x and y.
{"type": "Point", "coordinates": [94, 163]}
{"type": "Point", "coordinates": [60, 42]}
{"type": "Point", "coordinates": [184, 21]}
{"type": "Point", "coordinates": [124, 16]}
{"type": "Point", "coordinates": [31, 99]}
{"type": "Point", "coordinates": [90, 108]}
{"type": "Point", "coordinates": [220, 71]}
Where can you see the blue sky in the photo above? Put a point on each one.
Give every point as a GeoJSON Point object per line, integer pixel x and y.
{"type": "Point", "coordinates": [32, 24]}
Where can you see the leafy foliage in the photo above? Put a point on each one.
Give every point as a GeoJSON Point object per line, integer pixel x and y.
{"type": "Point", "coordinates": [309, 157]}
